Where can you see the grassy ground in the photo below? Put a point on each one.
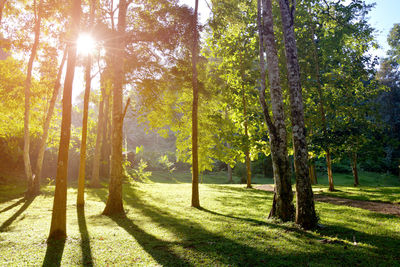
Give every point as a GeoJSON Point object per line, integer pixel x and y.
{"type": "Point", "coordinates": [160, 228]}
{"type": "Point", "coordinates": [373, 187]}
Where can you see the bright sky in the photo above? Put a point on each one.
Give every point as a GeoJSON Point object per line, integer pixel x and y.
{"type": "Point", "coordinates": [382, 17]}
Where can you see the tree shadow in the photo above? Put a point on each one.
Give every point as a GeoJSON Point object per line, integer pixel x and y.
{"type": "Point", "coordinates": [85, 239]}
{"type": "Point", "coordinates": [22, 200]}
{"type": "Point", "coordinates": [7, 223]}
{"type": "Point", "coordinates": [232, 252]}
{"type": "Point", "coordinates": [159, 249]}
{"type": "Point", "coordinates": [226, 247]}
{"type": "Point", "coordinates": [54, 251]}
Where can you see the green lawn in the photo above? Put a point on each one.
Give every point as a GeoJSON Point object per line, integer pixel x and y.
{"type": "Point", "coordinates": [373, 187]}
{"type": "Point", "coordinates": [160, 228]}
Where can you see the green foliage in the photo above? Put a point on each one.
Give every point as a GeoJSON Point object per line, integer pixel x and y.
{"type": "Point", "coordinates": [139, 173]}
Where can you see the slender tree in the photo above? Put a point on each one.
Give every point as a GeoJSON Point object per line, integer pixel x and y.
{"type": "Point", "coordinates": [114, 201]}
{"type": "Point", "coordinates": [59, 219]}
{"type": "Point", "coordinates": [28, 81]}
{"type": "Point", "coordinates": [46, 126]}
{"type": "Point", "coordinates": [82, 162]}
{"type": "Point", "coordinates": [95, 179]}
{"type": "Point", "coordinates": [305, 210]}
{"type": "Point", "coordinates": [282, 207]}
{"type": "Point", "coordinates": [195, 156]}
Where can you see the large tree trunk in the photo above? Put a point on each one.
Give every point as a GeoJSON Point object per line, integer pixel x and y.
{"type": "Point", "coordinates": [282, 206]}
{"type": "Point", "coordinates": [114, 202]}
{"type": "Point", "coordinates": [305, 211]}
{"type": "Point", "coordinates": [354, 168]}
{"type": "Point", "coordinates": [195, 156]}
{"type": "Point", "coordinates": [46, 127]}
{"type": "Point", "coordinates": [82, 162]}
{"type": "Point", "coordinates": [95, 179]}
{"type": "Point", "coordinates": [28, 81]}
{"type": "Point", "coordinates": [59, 219]}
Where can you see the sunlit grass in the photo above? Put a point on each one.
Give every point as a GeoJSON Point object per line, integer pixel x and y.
{"type": "Point", "coordinates": [162, 229]}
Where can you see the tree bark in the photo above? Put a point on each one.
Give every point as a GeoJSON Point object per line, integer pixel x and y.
{"type": "Point", "coordinates": [282, 206]}
{"type": "Point", "coordinates": [59, 219]}
{"type": "Point", "coordinates": [230, 179]}
{"type": "Point", "coordinates": [195, 156]}
{"type": "Point", "coordinates": [95, 179]}
{"type": "Point", "coordinates": [82, 162]}
{"type": "Point", "coordinates": [46, 127]}
{"type": "Point", "coordinates": [305, 211]}
{"type": "Point", "coordinates": [114, 203]}
{"type": "Point", "coordinates": [247, 150]}
{"type": "Point", "coordinates": [329, 167]}
{"type": "Point", "coordinates": [28, 81]}
{"type": "Point", "coordinates": [354, 168]}
{"type": "Point", "coordinates": [106, 146]}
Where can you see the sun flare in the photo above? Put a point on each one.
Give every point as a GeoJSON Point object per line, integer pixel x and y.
{"type": "Point", "coordinates": [86, 44]}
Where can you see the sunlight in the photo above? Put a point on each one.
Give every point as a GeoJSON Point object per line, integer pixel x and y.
{"type": "Point", "coordinates": [86, 44]}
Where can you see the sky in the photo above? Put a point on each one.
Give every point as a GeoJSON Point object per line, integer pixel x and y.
{"type": "Point", "coordinates": [382, 17]}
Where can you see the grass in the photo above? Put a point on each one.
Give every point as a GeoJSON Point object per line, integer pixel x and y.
{"type": "Point", "coordinates": [373, 187]}
{"type": "Point", "coordinates": [160, 228]}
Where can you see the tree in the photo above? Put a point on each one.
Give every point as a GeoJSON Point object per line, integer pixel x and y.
{"type": "Point", "coordinates": [58, 219]}
{"type": "Point", "coordinates": [46, 126]}
{"type": "Point", "coordinates": [27, 162]}
{"type": "Point", "coordinates": [114, 201]}
{"type": "Point", "coordinates": [305, 210]}
{"type": "Point", "coordinates": [82, 163]}
{"type": "Point", "coordinates": [282, 206]}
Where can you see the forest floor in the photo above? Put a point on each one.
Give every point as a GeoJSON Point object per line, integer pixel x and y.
{"type": "Point", "coordinates": [161, 229]}
{"type": "Point", "coordinates": [381, 207]}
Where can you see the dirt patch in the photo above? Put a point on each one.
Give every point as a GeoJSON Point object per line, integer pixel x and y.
{"type": "Point", "coordinates": [385, 208]}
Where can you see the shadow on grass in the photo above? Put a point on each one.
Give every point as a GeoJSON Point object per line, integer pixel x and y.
{"type": "Point", "coordinates": [55, 249]}
{"type": "Point", "coordinates": [255, 246]}
{"type": "Point", "coordinates": [22, 200]}
{"type": "Point", "coordinates": [85, 239]}
{"type": "Point", "coordinates": [160, 250]}
{"type": "Point", "coordinates": [7, 223]}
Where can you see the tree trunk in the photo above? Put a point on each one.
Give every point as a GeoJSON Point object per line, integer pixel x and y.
{"type": "Point", "coordinates": [322, 109]}
{"type": "Point", "coordinates": [195, 156]}
{"type": "Point", "coordinates": [28, 81]}
{"type": "Point", "coordinates": [82, 162]}
{"type": "Point", "coordinates": [282, 206]}
{"type": "Point", "coordinates": [46, 127]}
{"type": "Point", "coordinates": [354, 168]}
{"type": "Point", "coordinates": [95, 179]}
{"type": "Point", "coordinates": [313, 173]}
{"type": "Point", "coordinates": [305, 211]}
{"type": "Point", "coordinates": [246, 134]}
{"type": "Point", "coordinates": [230, 179]}
{"type": "Point", "coordinates": [114, 202]}
{"type": "Point", "coordinates": [59, 219]}
{"type": "Point", "coordinates": [106, 146]}
{"type": "Point", "coordinates": [329, 167]}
